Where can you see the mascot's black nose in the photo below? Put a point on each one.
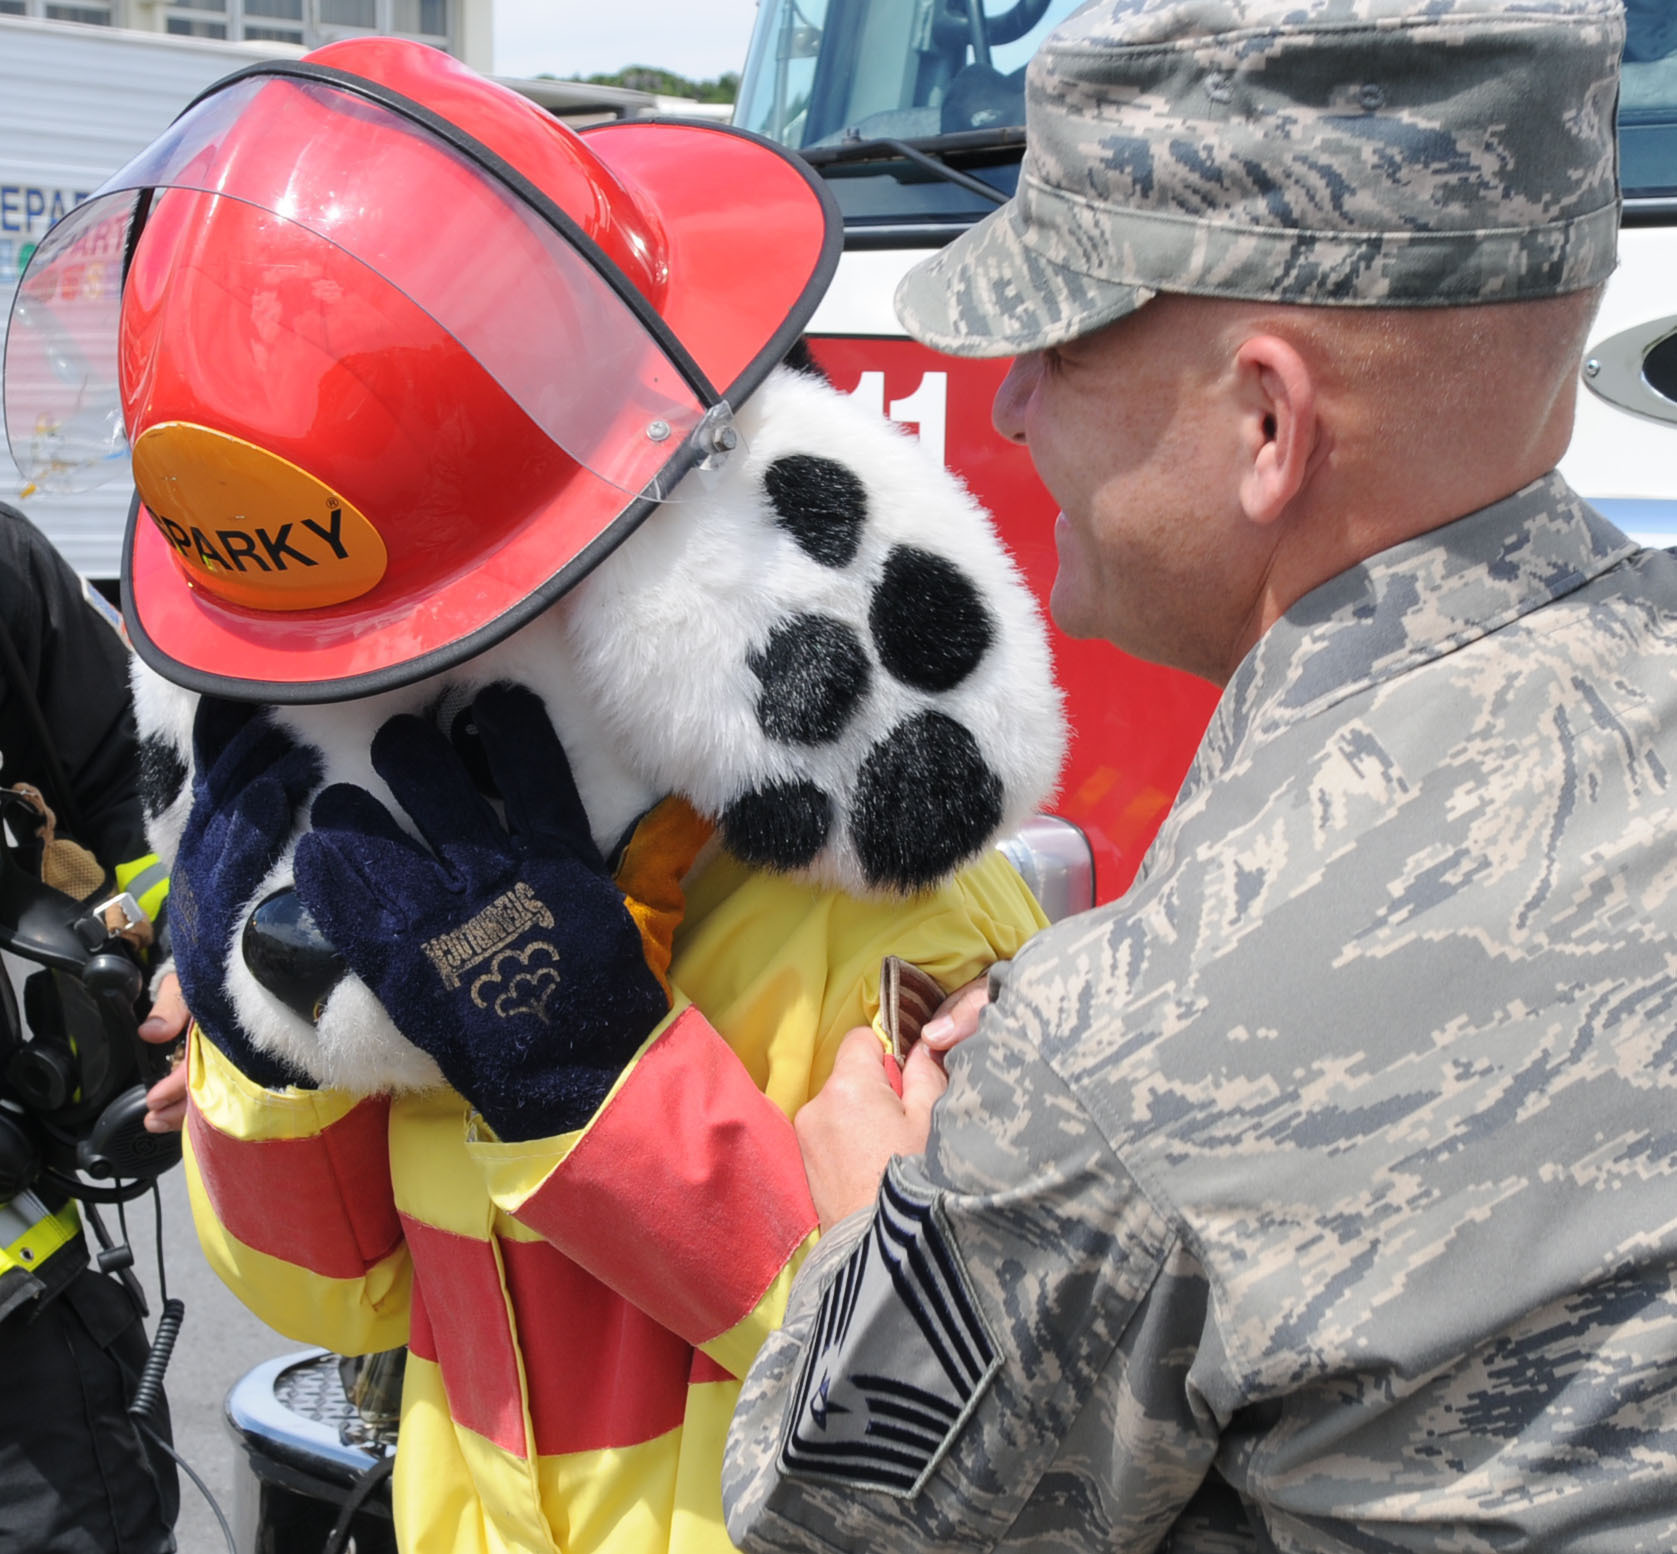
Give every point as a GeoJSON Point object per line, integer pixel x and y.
{"type": "Point", "coordinates": [289, 955]}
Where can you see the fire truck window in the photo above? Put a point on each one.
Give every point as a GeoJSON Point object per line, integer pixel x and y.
{"type": "Point", "coordinates": [823, 71]}
{"type": "Point", "coordinates": [1648, 100]}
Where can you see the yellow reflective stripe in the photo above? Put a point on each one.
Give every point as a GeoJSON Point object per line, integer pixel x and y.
{"type": "Point", "coordinates": [696, 1525]}
{"type": "Point", "coordinates": [239, 1106]}
{"type": "Point", "coordinates": [453, 1492]}
{"type": "Point", "coordinates": [617, 1499]}
{"type": "Point", "coordinates": [147, 881]}
{"type": "Point", "coordinates": [456, 1493]}
{"type": "Point", "coordinates": [42, 1238]}
{"type": "Point", "coordinates": [437, 1185]}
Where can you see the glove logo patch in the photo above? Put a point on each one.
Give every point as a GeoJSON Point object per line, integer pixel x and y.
{"type": "Point", "coordinates": [528, 989]}
{"type": "Point", "coordinates": [898, 1358]}
{"type": "Point", "coordinates": [508, 917]}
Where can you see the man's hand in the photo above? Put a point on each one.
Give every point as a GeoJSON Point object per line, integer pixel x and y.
{"type": "Point", "coordinates": [957, 1016]}
{"type": "Point", "coordinates": [166, 1100]}
{"type": "Point", "coordinates": [849, 1132]}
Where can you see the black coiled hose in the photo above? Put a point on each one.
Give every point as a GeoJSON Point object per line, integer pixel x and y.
{"type": "Point", "coordinates": [149, 1392]}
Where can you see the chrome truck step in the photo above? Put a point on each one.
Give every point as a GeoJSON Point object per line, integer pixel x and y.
{"type": "Point", "coordinates": [304, 1448]}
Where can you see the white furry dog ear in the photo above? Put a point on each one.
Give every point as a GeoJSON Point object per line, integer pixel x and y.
{"type": "Point", "coordinates": [829, 651]}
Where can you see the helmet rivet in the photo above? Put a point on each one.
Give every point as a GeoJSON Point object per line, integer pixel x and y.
{"type": "Point", "coordinates": [658, 430]}
{"type": "Point", "coordinates": [1591, 368]}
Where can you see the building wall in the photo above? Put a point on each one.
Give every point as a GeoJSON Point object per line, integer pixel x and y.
{"type": "Point", "coordinates": [463, 27]}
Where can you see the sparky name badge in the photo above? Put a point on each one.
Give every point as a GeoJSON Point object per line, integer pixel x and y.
{"type": "Point", "coordinates": [250, 527]}
{"type": "Point", "coordinates": [898, 1357]}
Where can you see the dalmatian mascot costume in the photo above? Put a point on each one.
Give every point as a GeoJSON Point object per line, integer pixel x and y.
{"type": "Point", "coordinates": [554, 711]}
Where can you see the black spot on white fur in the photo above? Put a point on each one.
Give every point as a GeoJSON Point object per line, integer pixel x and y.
{"type": "Point", "coordinates": [781, 826]}
{"type": "Point", "coordinates": [929, 624]}
{"type": "Point", "coordinates": [925, 801]}
{"type": "Point", "coordinates": [821, 503]}
{"type": "Point", "coordinates": [162, 775]}
{"type": "Point", "coordinates": [814, 673]}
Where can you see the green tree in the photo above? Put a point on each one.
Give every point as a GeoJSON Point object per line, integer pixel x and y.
{"type": "Point", "coordinates": [666, 83]}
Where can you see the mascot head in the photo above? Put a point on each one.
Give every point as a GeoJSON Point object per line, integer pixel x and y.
{"type": "Point", "coordinates": [422, 390]}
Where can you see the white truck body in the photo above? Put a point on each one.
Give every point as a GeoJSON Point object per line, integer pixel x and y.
{"type": "Point", "coordinates": [1623, 459]}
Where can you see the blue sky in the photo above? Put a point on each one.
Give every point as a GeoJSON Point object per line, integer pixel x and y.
{"type": "Point", "coordinates": [696, 38]}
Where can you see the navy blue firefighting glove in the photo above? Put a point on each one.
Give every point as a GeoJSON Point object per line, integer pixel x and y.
{"type": "Point", "coordinates": [250, 779]}
{"type": "Point", "coordinates": [506, 951]}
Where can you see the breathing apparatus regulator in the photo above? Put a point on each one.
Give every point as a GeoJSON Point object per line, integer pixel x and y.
{"type": "Point", "coordinates": [73, 1070]}
{"type": "Point", "coordinates": [73, 1080]}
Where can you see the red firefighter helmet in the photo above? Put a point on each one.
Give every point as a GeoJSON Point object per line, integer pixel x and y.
{"type": "Point", "coordinates": [400, 357]}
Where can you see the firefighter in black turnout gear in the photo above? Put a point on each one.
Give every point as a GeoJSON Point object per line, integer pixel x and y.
{"type": "Point", "coordinates": [76, 1476]}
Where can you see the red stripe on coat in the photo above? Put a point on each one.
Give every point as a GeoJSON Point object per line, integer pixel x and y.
{"type": "Point", "coordinates": [322, 1203]}
{"type": "Point", "coordinates": [460, 1308]}
{"type": "Point", "coordinates": [706, 1369]}
{"type": "Point", "coordinates": [687, 1195]}
{"type": "Point", "coordinates": [600, 1372]}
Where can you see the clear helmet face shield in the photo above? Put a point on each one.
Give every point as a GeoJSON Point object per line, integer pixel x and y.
{"type": "Point", "coordinates": [260, 269]}
{"type": "Point", "coordinates": [63, 414]}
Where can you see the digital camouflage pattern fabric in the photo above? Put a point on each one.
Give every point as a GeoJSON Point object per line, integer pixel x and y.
{"type": "Point", "coordinates": [1358, 152]}
{"type": "Point", "coordinates": [1333, 1168]}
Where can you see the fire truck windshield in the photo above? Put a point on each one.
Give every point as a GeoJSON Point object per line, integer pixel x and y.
{"type": "Point", "coordinates": [824, 71]}
{"type": "Point", "coordinates": [1648, 100]}
{"type": "Point", "coordinates": [948, 76]}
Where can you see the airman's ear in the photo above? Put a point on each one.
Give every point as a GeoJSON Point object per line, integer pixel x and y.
{"type": "Point", "coordinates": [1279, 426]}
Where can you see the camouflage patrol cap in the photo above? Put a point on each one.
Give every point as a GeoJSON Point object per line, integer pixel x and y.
{"type": "Point", "coordinates": [1354, 152]}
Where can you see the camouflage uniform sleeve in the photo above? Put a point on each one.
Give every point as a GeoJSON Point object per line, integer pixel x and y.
{"type": "Point", "coordinates": [998, 1355]}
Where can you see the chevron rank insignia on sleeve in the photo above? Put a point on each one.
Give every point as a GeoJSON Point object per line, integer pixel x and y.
{"type": "Point", "coordinates": [898, 1357]}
